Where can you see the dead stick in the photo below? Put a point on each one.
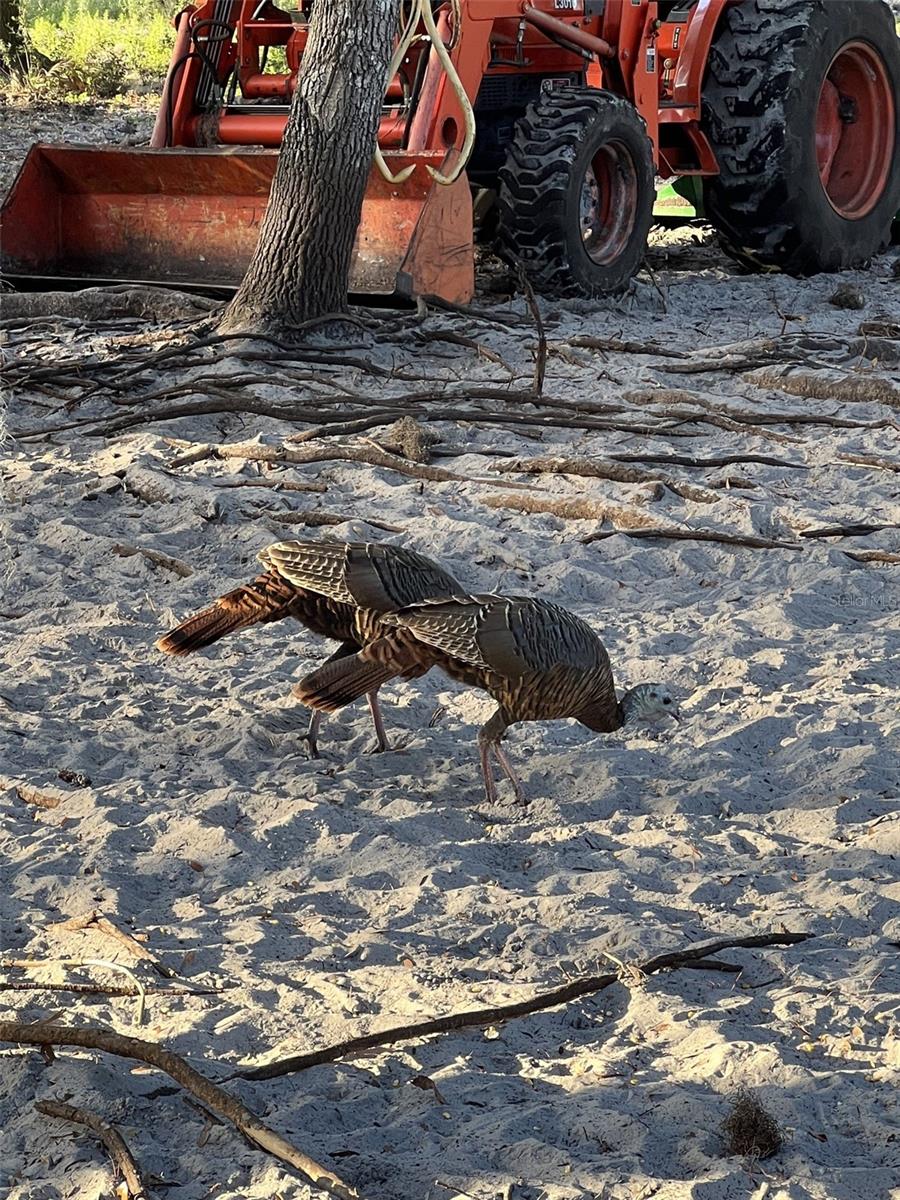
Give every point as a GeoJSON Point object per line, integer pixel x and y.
{"type": "Point", "coordinates": [721, 460]}
{"type": "Point", "coordinates": [870, 460]}
{"type": "Point", "coordinates": [540, 357]}
{"type": "Point", "coordinates": [175, 565]}
{"type": "Point", "coordinates": [205, 1090]}
{"type": "Point", "coordinates": [743, 416]}
{"type": "Point", "coordinates": [864, 556]}
{"type": "Point", "coordinates": [116, 1146]}
{"type": "Point", "coordinates": [852, 530]}
{"type": "Point", "coordinates": [140, 952]}
{"type": "Point", "coordinates": [93, 989]}
{"type": "Point", "coordinates": [845, 389]}
{"type": "Point", "coordinates": [316, 517]}
{"type": "Point", "coordinates": [506, 1012]}
{"type": "Point", "coordinates": [279, 485]}
{"type": "Point", "coordinates": [694, 535]}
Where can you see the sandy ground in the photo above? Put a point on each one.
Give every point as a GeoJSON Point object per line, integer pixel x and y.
{"type": "Point", "coordinates": [23, 122]}
{"type": "Point", "coordinates": [348, 894]}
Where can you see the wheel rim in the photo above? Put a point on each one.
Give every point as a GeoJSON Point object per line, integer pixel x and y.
{"type": "Point", "coordinates": [608, 205]}
{"type": "Point", "coordinates": [855, 130]}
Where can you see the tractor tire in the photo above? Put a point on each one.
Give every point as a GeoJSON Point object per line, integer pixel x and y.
{"type": "Point", "coordinates": [576, 193]}
{"type": "Point", "coordinates": [800, 104]}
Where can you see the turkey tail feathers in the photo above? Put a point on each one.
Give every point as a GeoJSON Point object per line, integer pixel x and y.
{"type": "Point", "coordinates": [201, 630]}
{"type": "Point", "coordinates": [340, 683]}
{"type": "Point", "coordinates": [267, 598]}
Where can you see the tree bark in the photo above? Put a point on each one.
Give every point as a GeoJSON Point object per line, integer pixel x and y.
{"type": "Point", "coordinates": [301, 266]}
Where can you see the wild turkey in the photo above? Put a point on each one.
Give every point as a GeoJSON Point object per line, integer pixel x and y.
{"type": "Point", "coordinates": [337, 589]}
{"type": "Point", "coordinates": [537, 660]}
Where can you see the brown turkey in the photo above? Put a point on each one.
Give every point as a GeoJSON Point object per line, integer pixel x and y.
{"type": "Point", "coordinates": [340, 590]}
{"type": "Point", "coordinates": [537, 660]}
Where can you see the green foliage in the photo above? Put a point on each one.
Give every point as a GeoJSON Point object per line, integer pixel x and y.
{"type": "Point", "coordinates": [98, 48]}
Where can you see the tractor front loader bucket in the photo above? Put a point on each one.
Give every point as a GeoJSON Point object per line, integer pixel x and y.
{"type": "Point", "coordinates": [192, 217]}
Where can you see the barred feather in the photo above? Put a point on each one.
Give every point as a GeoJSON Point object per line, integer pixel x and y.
{"type": "Point", "coordinates": [539, 661]}
{"type": "Point", "coordinates": [336, 589]}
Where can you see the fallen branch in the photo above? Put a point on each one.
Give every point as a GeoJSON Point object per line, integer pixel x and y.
{"type": "Point", "coordinates": [41, 797]}
{"type": "Point", "coordinates": [126, 550]}
{"type": "Point", "coordinates": [595, 468]}
{"type": "Point", "coordinates": [277, 485]}
{"type": "Point", "coordinates": [186, 1076]}
{"type": "Point", "coordinates": [506, 1012]}
{"type": "Point", "coordinates": [675, 534]}
{"type": "Point", "coordinates": [852, 530]}
{"type": "Point", "coordinates": [617, 346]}
{"type": "Point", "coordinates": [870, 460]}
{"type": "Point", "coordinates": [883, 329]}
{"type": "Point", "coordinates": [115, 1145]}
{"type": "Point", "coordinates": [459, 339]}
{"type": "Point", "coordinates": [720, 460]}
{"type": "Point", "coordinates": [507, 320]}
{"type": "Point", "coordinates": [864, 556]}
{"type": "Point", "coordinates": [364, 417]}
{"type": "Point", "coordinates": [756, 352]}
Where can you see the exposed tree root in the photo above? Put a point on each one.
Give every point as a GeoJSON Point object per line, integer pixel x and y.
{"type": "Point", "coordinates": [574, 509]}
{"type": "Point", "coordinates": [617, 472]}
{"type": "Point", "coordinates": [98, 304]}
{"type": "Point", "coordinates": [822, 385]}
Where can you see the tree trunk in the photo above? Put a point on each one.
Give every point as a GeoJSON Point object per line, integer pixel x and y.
{"type": "Point", "coordinates": [301, 266]}
{"type": "Point", "coordinates": [13, 50]}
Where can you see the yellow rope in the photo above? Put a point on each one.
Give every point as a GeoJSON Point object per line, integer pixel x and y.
{"type": "Point", "coordinates": [422, 9]}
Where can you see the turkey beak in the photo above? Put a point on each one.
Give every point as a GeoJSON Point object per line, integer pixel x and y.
{"type": "Point", "coordinates": [675, 714]}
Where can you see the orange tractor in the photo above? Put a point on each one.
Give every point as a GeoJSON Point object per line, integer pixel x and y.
{"type": "Point", "coordinates": [556, 115]}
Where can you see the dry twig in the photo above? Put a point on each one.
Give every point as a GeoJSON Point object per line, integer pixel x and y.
{"type": "Point", "coordinates": [856, 529]}
{"type": "Point", "coordinates": [870, 460]}
{"type": "Point", "coordinates": [864, 556]}
{"type": "Point", "coordinates": [540, 356]}
{"type": "Point", "coordinates": [105, 925]}
{"type": "Point", "coordinates": [126, 550]}
{"type": "Point", "coordinates": [719, 460]}
{"type": "Point", "coordinates": [115, 1144]}
{"type": "Point", "coordinates": [617, 346]}
{"type": "Point", "coordinates": [506, 1012]}
{"type": "Point", "coordinates": [676, 534]}
{"type": "Point", "coordinates": [315, 517]}
{"type": "Point", "coordinates": [91, 989]}
{"type": "Point", "coordinates": [205, 1090]}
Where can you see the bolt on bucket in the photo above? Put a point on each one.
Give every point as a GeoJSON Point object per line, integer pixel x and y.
{"type": "Point", "coordinates": [192, 217]}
